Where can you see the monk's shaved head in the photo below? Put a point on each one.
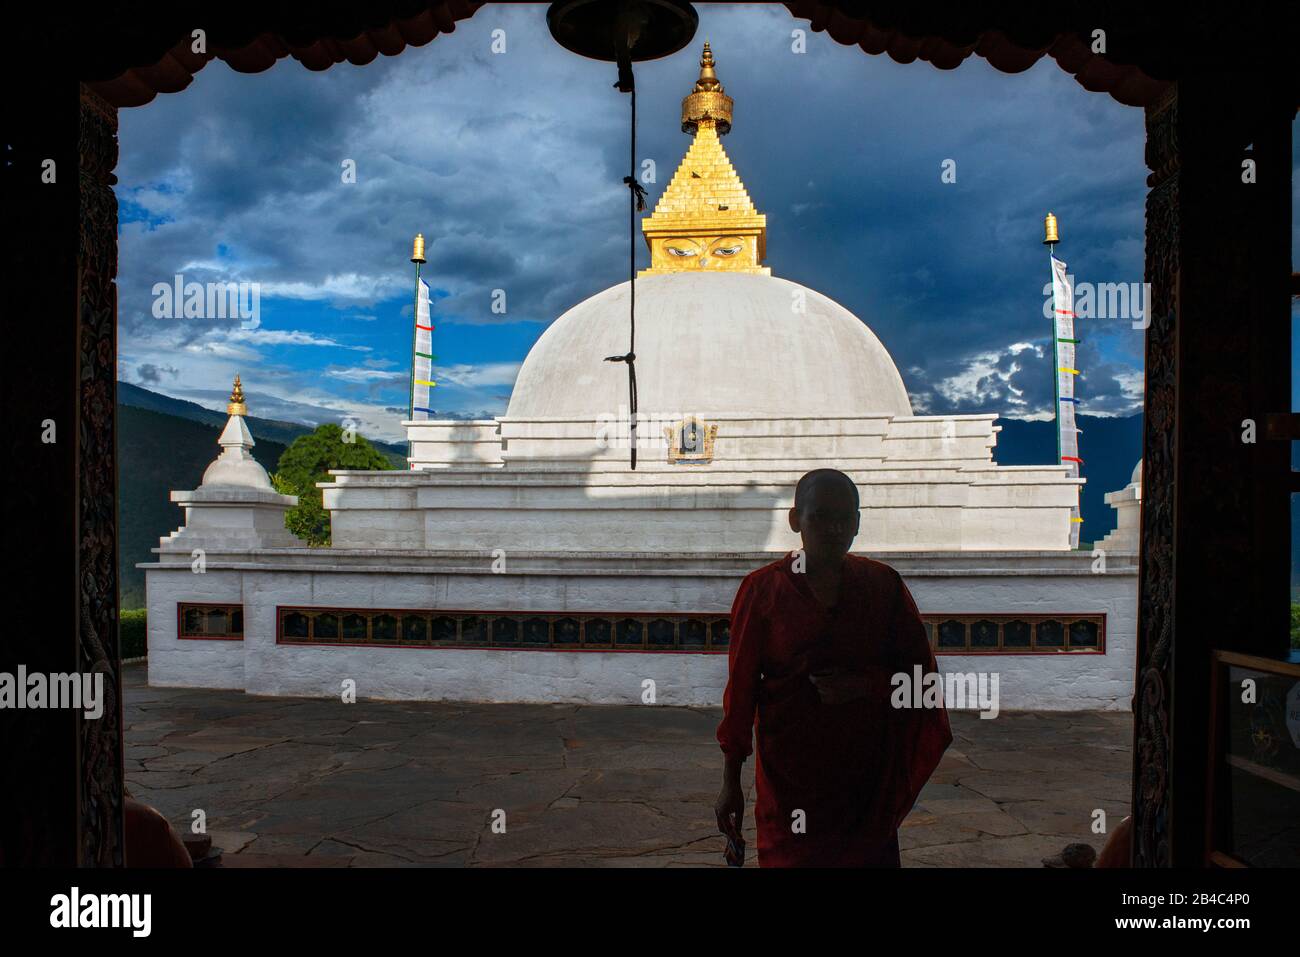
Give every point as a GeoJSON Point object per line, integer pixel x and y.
{"type": "Point", "coordinates": [822, 478]}
{"type": "Point", "coordinates": [826, 515]}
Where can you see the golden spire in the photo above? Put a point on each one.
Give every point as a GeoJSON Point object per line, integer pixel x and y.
{"type": "Point", "coordinates": [236, 406]}
{"type": "Point", "coordinates": [707, 104]}
{"type": "Point", "coordinates": [705, 220]}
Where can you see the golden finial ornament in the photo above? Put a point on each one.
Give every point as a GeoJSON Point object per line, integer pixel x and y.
{"type": "Point", "coordinates": [707, 103]}
{"type": "Point", "coordinates": [1050, 235]}
{"type": "Point", "coordinates": [237, 406]}
{"type": "Point", "coordinates": [417, 250]}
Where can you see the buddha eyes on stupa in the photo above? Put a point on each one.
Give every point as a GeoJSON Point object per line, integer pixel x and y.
{"type": "Point", "coordinates": [677, 251]}
{"type": "Point", "coordinates": [727, 250]}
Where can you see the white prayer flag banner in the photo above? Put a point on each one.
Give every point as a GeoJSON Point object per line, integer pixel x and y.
{"type": "Point", "coordinates": [422, 360]}
{"type": "Point", "coordinates": [1066, 370]}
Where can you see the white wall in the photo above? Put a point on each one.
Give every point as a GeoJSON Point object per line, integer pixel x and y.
{"type": "Point", "coordinates": [955, 584]}
{"type": "Point", "coordinates": [189, 662]}
{"type": "Point", "coordinates": [1046, 682]}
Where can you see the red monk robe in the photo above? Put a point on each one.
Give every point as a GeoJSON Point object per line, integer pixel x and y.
{"type": "Point", "coordinates": [855, 768]}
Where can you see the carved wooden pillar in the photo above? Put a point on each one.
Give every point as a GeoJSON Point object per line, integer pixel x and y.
{"type": "Point", "coordinates": [99, 741]}
{"type": "Point", "coordinates": [1155, 574]}
{"type": "Point", "coordinates": [1214, 568]}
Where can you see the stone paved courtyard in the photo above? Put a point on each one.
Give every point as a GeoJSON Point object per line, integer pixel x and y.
{"type": "Point", "coordinates": [312, 782]}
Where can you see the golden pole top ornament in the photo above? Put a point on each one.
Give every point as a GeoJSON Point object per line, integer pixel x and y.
{"type": "Point", "coordinates": [707, 103]}
{"type": "Point", "coordinates": [1050, 234]}
{"type": "Point", "coordinates": [237, 406]}
{"type": "Point", "coordinates": [417, 249]}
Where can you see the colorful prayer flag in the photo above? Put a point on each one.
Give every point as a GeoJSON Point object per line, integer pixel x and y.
{"type": "Point", "coordinates": [422, 360]}
{"type": "Point", "coordinates": [1067, 434]}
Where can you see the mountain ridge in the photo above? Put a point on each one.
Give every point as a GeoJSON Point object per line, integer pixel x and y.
{"type": "Point", "coordinates": [275, 430]}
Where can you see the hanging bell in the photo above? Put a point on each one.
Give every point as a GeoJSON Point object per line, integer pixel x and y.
{"type": "Point", "coordinates": [618, 31]}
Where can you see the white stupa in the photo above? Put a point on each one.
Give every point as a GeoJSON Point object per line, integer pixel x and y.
{"type": "Point", "coordinates": [235, 507]}
{"type": "Point", "coordinates": [776, 379]}
{"type": "Point", "coordinates": [512, 543]}
{"type": "Point", "coordinates": [1127, 503]}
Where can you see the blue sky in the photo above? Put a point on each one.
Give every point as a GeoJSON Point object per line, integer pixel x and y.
{"type": "Point", "coordinates": [511, 164]}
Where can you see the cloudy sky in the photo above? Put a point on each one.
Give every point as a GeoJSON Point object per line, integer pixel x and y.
{"type": "Point", "coordinates": [511, 163]}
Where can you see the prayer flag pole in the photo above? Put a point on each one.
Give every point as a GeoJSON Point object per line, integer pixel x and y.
{"type": "Point", "coordinates": [417, 257]}
{"type": "Point", "coordinates": [1064, 341]}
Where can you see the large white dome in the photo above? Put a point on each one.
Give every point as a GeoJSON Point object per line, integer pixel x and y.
{"type": "Point", "coordinates": [711, 343]}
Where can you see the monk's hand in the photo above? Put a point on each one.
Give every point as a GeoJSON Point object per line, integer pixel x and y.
{"type": "Point", "coordinates": [730, 809]}
{"type": "Point", "coordinates": [838, 686]}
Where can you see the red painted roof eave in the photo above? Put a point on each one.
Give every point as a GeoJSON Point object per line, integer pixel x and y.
{"type": "Point", "coordinates": [1128, 84]}
{"type": "Point", "coordinates": [178, 66]}
{"type": "Point", "coordinates": [176, 69]}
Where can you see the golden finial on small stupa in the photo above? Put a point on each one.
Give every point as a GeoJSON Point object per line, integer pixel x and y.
{"type": "Point", "coordinates": [236, 406]}
{"type": "Point", "coordinates": [707, 103]}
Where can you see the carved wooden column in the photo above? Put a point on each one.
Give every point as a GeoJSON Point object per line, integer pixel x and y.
{"type": "Point", "coordinates": [1155, 574]}
{"type": "Point", "coordinates": [1214, 568]}
{"type": "Point", "coordinates": [99, 741]}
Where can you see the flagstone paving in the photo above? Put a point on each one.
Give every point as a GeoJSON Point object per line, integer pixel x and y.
{"type": "Point", "coordinates": [305, 782]}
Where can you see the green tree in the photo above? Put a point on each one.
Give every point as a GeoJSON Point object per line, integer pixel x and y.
{"type": "Point", "coordinates": [308, 461]}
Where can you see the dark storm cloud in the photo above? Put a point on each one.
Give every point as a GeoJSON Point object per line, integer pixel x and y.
{"type": "Point", "coordinates": [151, 374]}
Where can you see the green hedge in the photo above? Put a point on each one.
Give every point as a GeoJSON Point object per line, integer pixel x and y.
{"type": "Point", "coordinates": [133, 631]}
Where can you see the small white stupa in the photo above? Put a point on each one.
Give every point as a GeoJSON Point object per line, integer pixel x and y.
{"type": "Point", "coordinates": [235, 507]}
{"type": "Point", "coordinates": [1127, 503]}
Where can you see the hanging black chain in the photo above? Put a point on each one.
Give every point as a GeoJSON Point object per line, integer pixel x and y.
{"type": "Point", "coordinates": [636, 196]}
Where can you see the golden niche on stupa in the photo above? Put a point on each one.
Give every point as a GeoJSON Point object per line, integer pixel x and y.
{"type": "Point", "coordinates": [705, 219]}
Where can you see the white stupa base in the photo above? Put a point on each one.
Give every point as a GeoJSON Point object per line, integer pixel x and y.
{"type": "Point", "coordinates": [263, 581]}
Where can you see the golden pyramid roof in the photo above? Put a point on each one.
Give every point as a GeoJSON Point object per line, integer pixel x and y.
{"type": "Point", "coordinates": [705, 219]}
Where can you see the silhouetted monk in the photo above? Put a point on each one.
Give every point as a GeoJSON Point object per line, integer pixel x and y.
{"type": "Point", "coordinates": [815, 639]}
